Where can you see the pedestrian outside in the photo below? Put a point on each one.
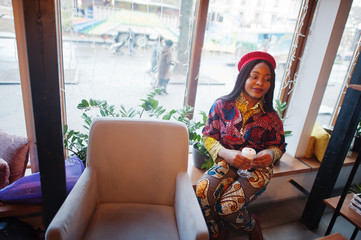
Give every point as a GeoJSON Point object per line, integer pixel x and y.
{"type": "Point", "coordinates": [131, 43]}
{"type": "Point", "coordinates": [164, 67]}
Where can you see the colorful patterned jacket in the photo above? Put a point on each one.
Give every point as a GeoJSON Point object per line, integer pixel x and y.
{"type": "Point", "coordinates": [226, 127]}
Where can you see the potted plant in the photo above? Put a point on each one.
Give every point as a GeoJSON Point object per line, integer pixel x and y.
{"type": "Point", "coordinates": [76, 142]}
{"type": "Point", "coordinates": [201, 157]}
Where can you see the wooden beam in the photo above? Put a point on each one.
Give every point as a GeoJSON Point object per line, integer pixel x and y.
{"type": "Point", "coordinates": [197, 45]}
{"type": "Point", "coordinates": [286, 93]}
{"type": "Point", "coordinates": [42, 51]}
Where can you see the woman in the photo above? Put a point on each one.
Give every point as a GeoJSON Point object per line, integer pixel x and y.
{"type": "Point", "coordinates": [243, 118]}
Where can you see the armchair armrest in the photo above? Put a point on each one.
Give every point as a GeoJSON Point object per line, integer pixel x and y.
{"type": "Point", "coordinates": [73, 217]}
{"type": "Point", "coordinates": [190, 220]}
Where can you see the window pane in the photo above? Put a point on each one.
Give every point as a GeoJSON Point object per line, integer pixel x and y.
{"type": "Point", "coordinates": [12, 118]}
{"type": "Point", "coordinates": [235, 28]}
{"type": "Point", "coordinates": [348, 44]}
{"type": "Point", "coordinates": [109, 48]}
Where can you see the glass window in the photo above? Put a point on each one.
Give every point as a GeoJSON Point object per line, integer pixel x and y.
{"type": "Point", "coordinates": [112, 52]}
{"type": "Point", "coordinates": [244, 28]}
{"type": "Point", "coordinates": [338, 76]}
{"type": "Point", "coordinates": [12, 118]}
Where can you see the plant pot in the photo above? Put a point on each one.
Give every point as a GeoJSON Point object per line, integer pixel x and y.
{"type": "Point", "coordinates": [356, 144]}
{"type": "Point", "coordinates": [198, 158]}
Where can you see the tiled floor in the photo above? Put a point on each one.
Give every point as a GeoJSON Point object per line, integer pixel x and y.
{"type": "Point", "coordinates": [281, 221]}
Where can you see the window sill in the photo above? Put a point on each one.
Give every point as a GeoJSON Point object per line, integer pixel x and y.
{"type": "Point", "coordinates": [286, 166]}
{"type": "Point", "coordinates": [20, 210]}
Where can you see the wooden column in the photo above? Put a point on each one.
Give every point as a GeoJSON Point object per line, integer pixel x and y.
{"type": "Point", "coordinates": [42, 52]}
{"type": "Point", "coordinates": [197, 45]}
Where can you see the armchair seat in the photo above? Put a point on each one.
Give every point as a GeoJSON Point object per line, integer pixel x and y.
{"type": "Point", "coordinates": [135, 186]}
{"type": "Point", "coordinates": [158, 222]}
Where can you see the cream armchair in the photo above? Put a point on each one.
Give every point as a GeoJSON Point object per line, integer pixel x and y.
{"type": "Point", "coordinates": [135, 186]}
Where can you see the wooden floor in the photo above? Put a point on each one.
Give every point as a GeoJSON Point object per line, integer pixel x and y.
{"type": "Point", "coordinates": [281, 221]}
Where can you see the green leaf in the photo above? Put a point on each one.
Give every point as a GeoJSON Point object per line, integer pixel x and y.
{"type": "Point", "coordinates": [355, 189]}
{"type": "Point", "coordinates": [153, 103]}
{"type": "Point", "coordinates": [288, 133]}
{"type": "Point", "coordinates": [123, 111]}
{"type": "Point", "coordinates": [104, 104]}
{"type": "Point", "coordinates": [86, 118]}
{"type": "Point", "coordinates": [83, 105]}
{"type": "Point", "coordinates": [161, 112]}
{"type": "Point", "coordinates": [146, 106]}
{"type": "Point", "coordinates": [65, 128]}
{"type": "Point", "coordinates": [204, 118]}
{"type": "Point", "coordinates": [70, 134]}
{"type": "Point", "coordinates": [208, 164]}
{"type": "Point", "coordinates": [131, 113]}
{"type": "Point", "coordinates": [92, 102]}
{"type": "Point", "coordinates": [168, 115]}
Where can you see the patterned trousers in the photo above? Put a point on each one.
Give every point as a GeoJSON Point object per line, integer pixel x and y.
{"type": "Point", "coordinates": [224, 196]}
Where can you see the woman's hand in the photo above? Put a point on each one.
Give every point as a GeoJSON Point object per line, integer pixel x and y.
{"type": "Point", "coordinates": [235, 158]}
{"type": "Point", "coordinates": [263, 159]}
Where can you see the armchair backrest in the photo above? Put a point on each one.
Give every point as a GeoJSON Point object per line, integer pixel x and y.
{"type": "Point", "coordinates": [137, 160]}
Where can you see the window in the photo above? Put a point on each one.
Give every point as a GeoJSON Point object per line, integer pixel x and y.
{"type": "Point", "coordinates": [109, 50]}
{"type": "Point", "coordinates": [226, 42]}
{"type": "Point", "coordinates": [339, 76]}
{"type": "Point", "coordinates": [91, 69]}
{"type": "Point", "coordinates": [12, 118]}
{"type": "Point", "coordinates": [276, 3]}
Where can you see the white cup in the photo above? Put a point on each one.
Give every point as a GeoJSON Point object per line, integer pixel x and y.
{"type": "Point", "coordinates": [249, 153]}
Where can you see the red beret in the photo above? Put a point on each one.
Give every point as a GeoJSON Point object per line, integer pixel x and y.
{"type": "Point", "coordinates": [254, 56]}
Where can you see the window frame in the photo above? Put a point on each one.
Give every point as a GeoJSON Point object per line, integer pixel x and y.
{"type": "Point", "coordinates": [192, 81]}
{"type": "Point", "coordinates": [294, 58]}
{"type": "Point", "coordinates": [25, 82]}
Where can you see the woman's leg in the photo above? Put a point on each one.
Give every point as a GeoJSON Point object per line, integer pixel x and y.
{"type": "Point", "coordinates": [235, 200]}
{"type": "Point", "coordinates": [223, 196]}
{"type": "Point", "coordinates": [209, 190]}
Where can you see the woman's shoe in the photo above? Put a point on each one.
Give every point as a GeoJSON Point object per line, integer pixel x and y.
{"type": "Point", "coordinates": [256, 233]}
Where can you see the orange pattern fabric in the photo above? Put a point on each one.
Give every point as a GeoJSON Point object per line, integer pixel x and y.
{"type": "Point", "coordinates": [224, 196]}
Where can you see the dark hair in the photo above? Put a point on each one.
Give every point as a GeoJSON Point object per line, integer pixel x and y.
{"type": "Point", "coordinates": [168, 43]}
{"type": "Point", "coordinates": [241, 81]}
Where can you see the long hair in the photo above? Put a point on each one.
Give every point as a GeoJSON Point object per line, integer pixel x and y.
{"type": "Point", "coordinates": [241, 81]}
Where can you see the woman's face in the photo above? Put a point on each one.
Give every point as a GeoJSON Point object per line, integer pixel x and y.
{"type": "Point", "coordinates": [258, 83]}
